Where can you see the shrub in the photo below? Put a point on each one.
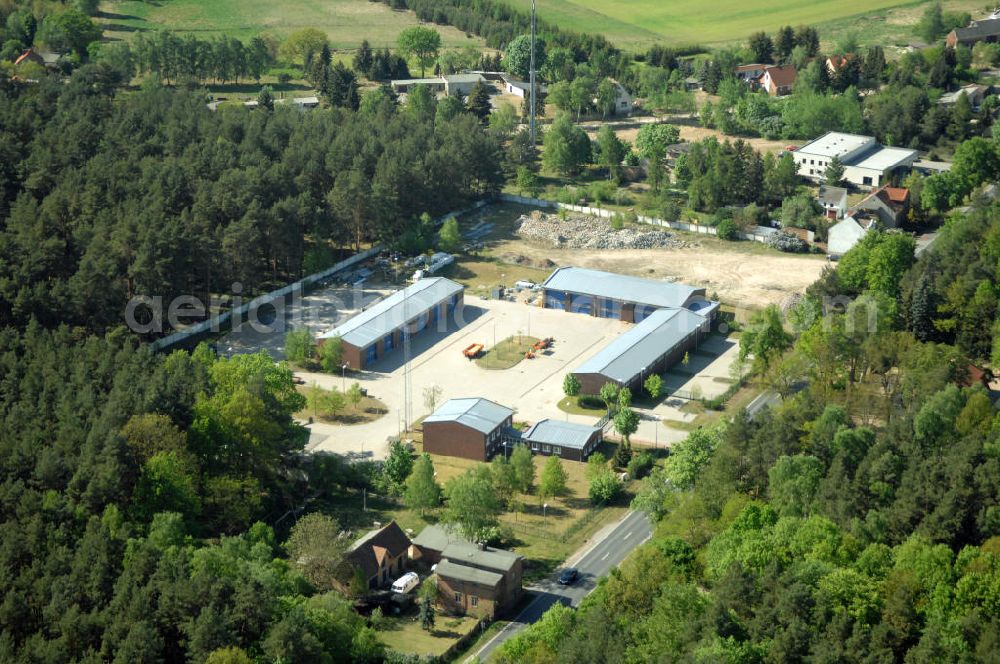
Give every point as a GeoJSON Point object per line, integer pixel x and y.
{"type": "Point", "coordinates": [591, 401]}
{"type": "Point", "coordinates": [640, 465]}
{"type": "Point", "coordinates": [727, 230]}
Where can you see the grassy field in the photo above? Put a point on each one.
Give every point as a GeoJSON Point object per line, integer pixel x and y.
{"type": "Point", "coordinates": [368, 409]}
{"type": "Point", "coordinates": [404, 634]}
{"type": "Point", "coordinates": [639, 23]}
{"type": "Point", "coordinates": [507, 353]}
{"type": "Point", "coordinates": [346, 22]}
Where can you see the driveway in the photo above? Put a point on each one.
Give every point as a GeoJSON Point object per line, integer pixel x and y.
{"type": "Point", "coordinates": [611, 546]}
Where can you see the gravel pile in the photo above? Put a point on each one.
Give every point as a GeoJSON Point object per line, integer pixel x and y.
{"type": "Point", "coordinates": [783, 241]}
{"type": "Point", "coordinates": [583, 232]}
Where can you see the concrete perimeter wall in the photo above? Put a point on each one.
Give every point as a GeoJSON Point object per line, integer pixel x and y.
{"type": "Point", "coordinates": [758, 236]}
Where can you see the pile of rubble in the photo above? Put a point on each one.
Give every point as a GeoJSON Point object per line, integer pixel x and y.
{"type": "Point", "coordinates": [578, 231]}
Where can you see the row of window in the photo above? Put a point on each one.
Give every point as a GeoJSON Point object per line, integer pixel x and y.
{"type": "Point", "coordinates": [473, 599]}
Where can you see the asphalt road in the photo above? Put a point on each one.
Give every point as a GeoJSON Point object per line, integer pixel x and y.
{"type": "Point", "coordinates": [592, 563]}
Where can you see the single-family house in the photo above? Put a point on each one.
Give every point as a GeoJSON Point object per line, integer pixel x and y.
{"type": "Point", "coordinates": [846, 233]}
{"type": "Point", "coordinates": [984, 30]}
{"type": "Point", "coordinates": [974, 92]}
{"type": "Point", "coordinates": [750, 73]}
{"type": "Point", "coordinates": [471, 428]}
{"type": "Point", "coordinates": [471, 578]}
{"type": "Point", "coordinates": [833, 200]}
{"type": "Point", "coordinates": [381, 555]}
{"type": "Point", "coordinates": [45, 58]}
{"type": "Point", "coordinates": [567, 440]}
{"type": "Point", "coordinates": [889, 204]}
{"type": "Point", "coordinates": [866, 163]}
{"type": "Point", "coordinates": [836, 62]}
{"type": "Point", "coordinates": [778, 81]}
{"type": "Point", "coordinates": [623, 100]}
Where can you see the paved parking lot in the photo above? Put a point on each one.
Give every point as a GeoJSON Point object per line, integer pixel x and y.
{"type": "Point", "coordinates": [319, 311]}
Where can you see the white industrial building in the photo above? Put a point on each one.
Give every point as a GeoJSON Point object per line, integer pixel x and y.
{"type": "Point", "coordinates": [866, 163]}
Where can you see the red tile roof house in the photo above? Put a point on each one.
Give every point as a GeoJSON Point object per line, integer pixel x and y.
{"type": "Point", "coordinates": [381, 555]}
{"type": "Point", "coordinates": [889, 204]}
{"type": "Point", "coordinates": [778, 81]}
{"type": "Point", "coordinates": [836, 62]}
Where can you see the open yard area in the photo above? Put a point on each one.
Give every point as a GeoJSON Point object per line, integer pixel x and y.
{"type": "Point", "coordinates": [742, 274]}
{"type": "Point", "coordinates": [404, 634]}
{"type": "Point", "coordinates": [346, 22]}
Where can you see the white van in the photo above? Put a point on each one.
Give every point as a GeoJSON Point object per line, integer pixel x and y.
{"type": "Point", "coordinates": [406, 583]}
{"type": "Point", "coordinates": [527, 285]}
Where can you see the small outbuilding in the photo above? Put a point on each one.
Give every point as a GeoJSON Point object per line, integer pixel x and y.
{"type": "Point", "coordinates": [472, 428]}
{"type": "Point", "coordinates": [847, 233]}
{"type": "Point", "coordinates": [833, 201]}
{"type": "Point", "coordinates": [567, 440]}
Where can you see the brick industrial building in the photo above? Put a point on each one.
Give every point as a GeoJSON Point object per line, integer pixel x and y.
{"type": "Point", "coordinates": [618, 296]}
{"type": "Point", "coordinates": [652, 346]}
{"type": "Point", "coordinates": [469, 428]}
{"type": "Point", "coordinates": [380, 329]}
{"type": "Point", "coordinates": [567, 440]}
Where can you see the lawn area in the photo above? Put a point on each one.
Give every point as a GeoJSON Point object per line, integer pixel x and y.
{"type": "Point", "coordinates": [480, 274]}
{"type": "Point", "coordinates": [507, 353]}
{"type": "Point", "coordinates": [318, 407]}
{"type": "Point", "coordinates": [570, 405]}
{"type": "Point", "coordinates": [346, 22]}
{"type": "Point", "coordinates": [545, 537]}
{"type": "Point", "coordinates": [404, 634]}
{"type": "Point", "coordinates": [639, 23]}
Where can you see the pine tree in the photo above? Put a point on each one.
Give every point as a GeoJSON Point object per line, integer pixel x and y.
{"type": "Point", "coordinates": [422, 490]}
{"type": "Point", "coordinates": [479, 102]}
{"type": "Point", "coordinates": [363, 59]}
{"type": "Point", "coordinates": [920, 310]}
{"type": "Point", "coordinates": [265, 100]}
{"type": "Point", "coordinates": [834, 173]}
{"type": "Point", "coordinates": [426, 614]}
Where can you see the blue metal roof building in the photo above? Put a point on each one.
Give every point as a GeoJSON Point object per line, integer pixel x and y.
{"type": "Point", "coordinates": [566, 439]}
{"type": "Point", "coordinates": [619, 296]}
{"type": "Point", "coordinates": [652, 346]}
{"type": "Point", "coordinates": [476, 413]}
{"type": "Point", "coordinates": [379, 329]}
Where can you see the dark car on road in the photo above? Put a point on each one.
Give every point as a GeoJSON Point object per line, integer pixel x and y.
{"type": "Point", "coordinates": [568, 576]}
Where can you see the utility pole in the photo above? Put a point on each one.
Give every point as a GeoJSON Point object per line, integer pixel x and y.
{"type": "Point", "coordinates": [531, 78]}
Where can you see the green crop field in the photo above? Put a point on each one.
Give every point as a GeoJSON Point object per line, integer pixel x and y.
{"type": "Point", "coordinates": [641, 22]}
{"type": "Point", "coordinates": [346, 22]}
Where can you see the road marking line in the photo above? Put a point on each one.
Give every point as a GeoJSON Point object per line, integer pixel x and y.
{"type": "Point", "coordinates": [627, 536]}
{"type": "Point", "coordinates": [605, 556]}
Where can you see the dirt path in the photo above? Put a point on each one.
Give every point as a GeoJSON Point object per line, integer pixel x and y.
{"type": "Point", "coordinates": [741, 278]}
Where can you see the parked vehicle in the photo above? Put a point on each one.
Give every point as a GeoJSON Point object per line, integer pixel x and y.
{"type": "Point", "coordinates": [569, 576]}
{"type": "Point", "coordinates": [406, 583]}
{"type": "Point", "coordinates": [529, 285]}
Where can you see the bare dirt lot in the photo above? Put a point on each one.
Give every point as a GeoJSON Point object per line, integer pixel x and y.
{"type": "Point", "coordinates": [742, 274]}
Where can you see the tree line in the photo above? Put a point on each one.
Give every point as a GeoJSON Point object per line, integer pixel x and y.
{"type": "Point", "coordinates": [856, 521]}
{"type": "Point", "coordinates": [175, 199]}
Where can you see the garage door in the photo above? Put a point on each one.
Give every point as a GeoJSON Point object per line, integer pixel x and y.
{"type": "Point", "coordinates": [555, 300]}
{"type": "Point", "coordinates": [641, 312]}
{"type": "Point", "coordinates": [582, 304]}
{"type": "Point", "coordinates": [611, 309]}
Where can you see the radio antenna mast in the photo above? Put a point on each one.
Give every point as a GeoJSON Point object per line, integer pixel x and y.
{"type": "Point", "coordinates": [531, 78]}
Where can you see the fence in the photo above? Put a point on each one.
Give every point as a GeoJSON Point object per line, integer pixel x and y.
{"type": "Point", "coordinates": [226, 320]}
{"type": "Point", "coordinates": [757, 234]}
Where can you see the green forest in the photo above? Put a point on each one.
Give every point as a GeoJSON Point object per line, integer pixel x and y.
{"type": "Point", "coordinates": [859, 520]}
{"type": "Point", "coordinates": [109, 195]}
